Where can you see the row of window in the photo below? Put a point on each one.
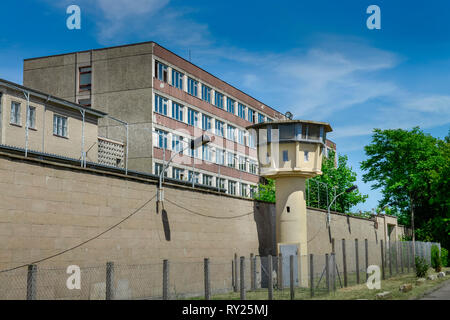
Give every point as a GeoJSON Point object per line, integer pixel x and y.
{"type": "Point", "coordinates": [245, 190]}
{"type": "Point", "coordinates": [222, 157]}
{"type": "Point", "coordinates": [220, 100]}
{"type": "Point", "coordinates": [232, 133]}
{"type": "Point", "coordinates": [59, 122]}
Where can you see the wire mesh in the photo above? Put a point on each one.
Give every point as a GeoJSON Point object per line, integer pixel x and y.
{"type": "Point", "coordinates": [138, 281]}
{"type": "Point", "coordinates": [13, 284]}
{"type": "Point", "coordinates": [186, 279]}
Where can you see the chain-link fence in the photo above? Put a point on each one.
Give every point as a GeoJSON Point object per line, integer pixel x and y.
{"type": "Point", "coordinates": [250, 277]}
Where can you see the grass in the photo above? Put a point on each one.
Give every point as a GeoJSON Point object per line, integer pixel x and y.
{"type": "Point", "coordinates": [352, 292]}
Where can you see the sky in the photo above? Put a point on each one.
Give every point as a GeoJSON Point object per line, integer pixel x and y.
{"type": "Point", "coordinates": [316, 59]}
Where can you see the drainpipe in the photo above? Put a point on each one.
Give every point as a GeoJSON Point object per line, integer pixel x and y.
{"type": "Point", "coordinates": [27, 96]}
{"type": "Point", "coordinates": [83, 155]}
{"type": "Point", "coordinates": [126, 156]}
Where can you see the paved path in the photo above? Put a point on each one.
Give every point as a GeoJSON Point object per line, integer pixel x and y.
{"type": "Point", "coordinates": [440, 294]}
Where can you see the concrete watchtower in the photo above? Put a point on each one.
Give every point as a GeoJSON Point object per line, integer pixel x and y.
{"type": "Point", "coordinates": [290, 152]}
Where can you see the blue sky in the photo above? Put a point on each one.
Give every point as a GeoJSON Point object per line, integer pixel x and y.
{"type": "Point", "coordinates": [316, 59]}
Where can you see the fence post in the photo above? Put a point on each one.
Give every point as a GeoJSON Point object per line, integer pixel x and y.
{"type": "Point", "coordinates": [327, 272]}
{"type": "Point", "coordinates": [207, 281]}
{"type": "Point", "coordinates": [382, 260]}
{"type": "Point", "coordinates": [408, 262]}
{"type": "Point", "coordinates": [232, 275]}
{"type": "Point", "coordinates": [252, 273]}
{"type": "Point", "coordinates": [235, 272]}
{"type": "Point", "coordinates": [311, 274]}
{"type": "Point", "coordinates": [31, 282]}
{"type": "Point", "coordinates": [366, 243]}
{"type": "Point", "coordinates": [396, 257]}
{"type": "Point", "coordinates": [165, 279]}
{"type": "Point", "coordinates": [109, 280]}
{"type": "Point", "coordinates": [390, 258]}
{"type": "Point", "coordinates": [291, 278]}
{"type": "Point", "coordinates": [280, 271]}
{"type": "Point", "coordinates": [270, 271]}
{"type": "Point", "coordinates": [242, 278]}
{"type": "Point", "coordinates": [344, 262]}
{"type": "Point", "coordinates": [400, 251]}
{"type": "Point", "coordinates": [357, 261]}
{"type": "Point", "coordinates": [333, 270]}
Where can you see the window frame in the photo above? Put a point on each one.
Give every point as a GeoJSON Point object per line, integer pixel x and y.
{"type": "Point", "coordinates": [84, 87]}
{"type": "Point", "coordinates": [57, 134]}
{"type": "Point", "coordinates": [17, 120]}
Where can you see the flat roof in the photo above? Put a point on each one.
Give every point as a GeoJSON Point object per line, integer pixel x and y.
{"type": "Point", "coordinates": [56, 100]}
{"type": "Point", "coordinates": [153, 42]}
{"type": "Point", "coordinates": [264, 124]}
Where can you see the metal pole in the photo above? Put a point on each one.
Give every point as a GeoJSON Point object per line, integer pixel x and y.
{"type": "Point", "coordinates": [126, 156]}
{"type": "Point", "coordinates": [366, 243]}
{"type": "Point", "coordinates": [291, 276]}
{"type": "Point", "coordinates": [31, 282]}
{"type": "Point", "coordinates": [327, 272]}
{"type": "Point", "coordinates": [270, 283]}
{"type": "Point", "coordinates": [311, 274]}
{"type": "Point", "coordinates": [109, 280]}
{"type": "Point", "coordinates": [242, 286]}
{"type": "Point", "coordinates": [165, 279]}
{"type": "Point", "coordinates": [83, 157]}
{"type": "Point", "coordinates": [357, 261]}
{"type": "Point", "coordinates": [252, 273]}
{"type": "Point", "coordinates": [382, 260]}
{"type": "Point", "coordinates": [344, 258]}
{"type": "Point", "coordinates": [207, 280]}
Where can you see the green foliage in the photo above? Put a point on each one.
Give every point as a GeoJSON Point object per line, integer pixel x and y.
{"type": "Point", "coordinates": [421, 267]}
{"type": "Point", "coordinates": [444, 257]}
{"type": "Point", "coordinates": [266, 191]}
{"type": "Point", "coordinates": [412, 170]}
{"type": "Point", "coordinates": [436, 262]}
{"type": "Point", "coordinates": [342, 177]}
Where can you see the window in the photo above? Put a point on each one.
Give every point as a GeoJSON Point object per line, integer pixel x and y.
{"type": "Point", "coordinates": [220, 183]}
{"type": "Point", "coordinates": [193, 175]}
{"type": "Point", "coordinates": [85, 102]}
{"type": "Point", "coordinates": [192, 117]}
{"type": "Point", "coordinates": [194, 153]}
{"type": "Point", "coordinates": [285, 155]}
{"type": "Point", "coordinates": [192, 87]}
{"type": "Point", "coordinates": [242, 163]}
{"type": "Point", "coordinates": [162, 138]}
{"type": "Point", "coordinates": [206, 152]}
{"type": "Point", "coordinates": [231, 160]}
{"type": "Point", "coordinates": [231, 187]}
{"type": "Point", "coordinates": [251, 141]}
{"type": "Point", "coordinates": [252, 191]}
{"type": "Point", "coordinates": [31, 121]}
{"type": "Point", "coordinates": [207, 180]}
{"type": "Point", "coordinates": [206, 122]}
{"type": "Point", "coordinates": [85, 78]}
{"type": "Point", "coordinates": [59, 125]}
{"type": "Point", "coordinates": [177, 143]}
{"type": "Point", "coordinates": [260, 118]}
{"type": "Point", "coordinates": [253, 167]}
{"type": "Point", "coordinates": [243, 190]}
{"type": "Point", "coordinates": [177, 79]}
{"type": "Point", "coordinates": [218, 100]}
{"type": "Point", "coordinates": [219, 128]}
{"type": "Point", "coordinates": [15, 113]}
{"type": "Point", "coordinates": [322, 134]}
{"type": "Point", "coordinates": [231, 133]}
{"type": "Point", "coordinates": [177, 111]}
{"type": "Point", "coordinates": [159, 169]}
{"type": "Point", "coordinates": [177, 173]}
{"type": "Point", "coordinates": [241, 110]}
{"type": "Point", "coordinates": [230, 105]}
{"type": "Point", "coordinates": [160, 105]}
{"type": "Point", "coordinates": [306, 156]}
{"type": "Point", "coordinates": [161, 71]}
{"type": "Point", "coordinates": [206, 93]}
{"type": "Point", "coordinates": [241, 135]}
{"type": "Point", "coordinates": [251, 115]}
{"type": "Point", "coordinates": [220, 156]}
{"type": "Point", "coordinates": [298, 131]}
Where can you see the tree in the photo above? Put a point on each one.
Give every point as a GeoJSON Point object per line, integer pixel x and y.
{"type": "Point", "coordinates": [340, 176]}
{"type": "Point", "coordinates": [412, 169]}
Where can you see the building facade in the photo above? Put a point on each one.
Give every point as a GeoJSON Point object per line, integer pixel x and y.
{"type": "Point", "coordinates": [166, 101]}
{"type": "Point", "coordinates": [36, 121]}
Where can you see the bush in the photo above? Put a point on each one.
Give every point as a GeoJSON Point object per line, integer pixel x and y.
{"type": "Point", "coordinates": [436, 261]}
{"type": "Point", "coordinates": [421, 267]}
{"type": "Point", "coordinates": [444, 257]}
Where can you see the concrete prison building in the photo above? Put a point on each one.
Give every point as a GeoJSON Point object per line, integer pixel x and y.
{"type": "Point", "coordinates": [166, 101]}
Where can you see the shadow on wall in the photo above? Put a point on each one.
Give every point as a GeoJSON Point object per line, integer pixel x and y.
{"type": "Point", "coordinates": [166, 224]}
{"type": "Point", "coordinates": [265, 217]}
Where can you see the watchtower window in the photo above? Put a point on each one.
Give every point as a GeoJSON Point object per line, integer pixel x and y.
{"type": "Point", "coordinates": [285, 155]}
